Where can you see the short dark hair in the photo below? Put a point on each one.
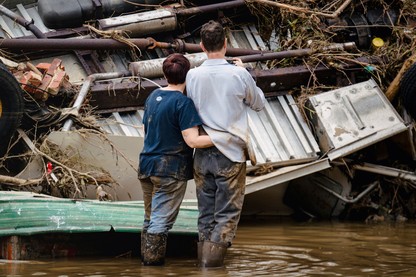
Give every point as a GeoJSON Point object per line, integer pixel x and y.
{"type": "Point", "coordinates": [175, 67]}
{"type": "Point", "coordinates": [212, 36]}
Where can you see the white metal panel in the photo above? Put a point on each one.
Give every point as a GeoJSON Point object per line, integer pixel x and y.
{"type": "Point", "coordinates": [280, 135]}
{"type": "Point", "coordinates": [353, 117]}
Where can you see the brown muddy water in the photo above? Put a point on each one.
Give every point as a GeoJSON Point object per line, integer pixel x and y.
{"type": "Point", "coordinates": [267, 248]}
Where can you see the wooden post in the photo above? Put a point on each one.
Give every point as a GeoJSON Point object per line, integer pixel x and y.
{"type": "Point", "coordinates": [394, 86]}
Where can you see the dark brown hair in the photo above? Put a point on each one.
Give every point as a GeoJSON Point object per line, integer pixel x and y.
{"type": "Point", "coordinates": [175, 67]}
{"type": "Point", "coordinates": [212, 36]}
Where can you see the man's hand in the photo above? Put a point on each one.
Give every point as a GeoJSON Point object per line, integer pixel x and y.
{"type": "Point", "coordinates": [238, 62]}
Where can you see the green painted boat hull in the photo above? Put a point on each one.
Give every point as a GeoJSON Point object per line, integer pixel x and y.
{"type": "Point", "coordinates": [23, 213]}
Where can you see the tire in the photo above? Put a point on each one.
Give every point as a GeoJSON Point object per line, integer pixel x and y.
{"type": "Point", "coordinates": [407, 90]}
{"type": "Point", "coordinates": [11, 107]}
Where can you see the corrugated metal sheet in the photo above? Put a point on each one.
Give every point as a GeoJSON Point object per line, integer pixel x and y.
{"type": "Point", "coordinates": [279, 133]}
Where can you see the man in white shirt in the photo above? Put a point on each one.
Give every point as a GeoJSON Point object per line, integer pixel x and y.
{"type": "Point", "coordinates": [222, 94]}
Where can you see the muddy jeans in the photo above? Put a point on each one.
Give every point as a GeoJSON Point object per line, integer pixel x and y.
{"type": "Point", "coordinates": [162, 200]}
{"type": "Point", "coordinates": [220, 188]}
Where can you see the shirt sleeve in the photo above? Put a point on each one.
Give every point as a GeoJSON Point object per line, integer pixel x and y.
{"type": "Point", "coordinates": [254, 95]}
{"type": "Point", "coordinates": [187, 114]}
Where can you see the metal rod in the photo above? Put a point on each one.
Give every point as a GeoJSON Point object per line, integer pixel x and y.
{"type": "Point", "coordinates": [109, 44]}
{"type": "Point", "coordinates": [276, 55]}
{"type": "Point", "coordinates": [73, 44]}
{"type": "Point", "coordinates": [246, 55]}
{"type": "Point", "coordinates": [181, 46]}
{"type": "Point", "coordinates": [351, 201]}
{"type": "Point", "coordinates": [29, 25]}
{"type": "Point", "coordinates": [380, 169]}
{"type": "Point", "coordinates": [295, 53]}
{"type": "Point", "coordinates": [86, 87]}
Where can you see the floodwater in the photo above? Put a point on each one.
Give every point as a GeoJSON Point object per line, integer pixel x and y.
{"type": "Point", "coordinates": [267, 248]}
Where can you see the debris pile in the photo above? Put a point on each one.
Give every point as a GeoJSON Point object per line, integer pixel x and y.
{"type": "Point", "coordinates": [379, 28]}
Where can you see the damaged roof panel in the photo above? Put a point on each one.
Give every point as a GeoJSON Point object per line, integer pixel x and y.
{"type": "Point", "coordinates": [279, 135]}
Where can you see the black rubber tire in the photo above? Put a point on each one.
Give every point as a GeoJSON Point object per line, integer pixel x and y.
{"type": "Point", "coordinates": [11, 107]}
{"type": "Point", "coordinates": [407, 90]}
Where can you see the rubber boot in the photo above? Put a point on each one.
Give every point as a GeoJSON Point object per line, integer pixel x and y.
{"type": "Point", "coordinates": [142, 243]}
{"type": "Point", "coordinates": [155, 249]}
{"type": "Point", "coordinates": [211, 254]}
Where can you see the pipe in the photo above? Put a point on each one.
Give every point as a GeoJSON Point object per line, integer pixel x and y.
{"type": "Point", "coordinates": [29, 25]}
{"type": "Point", "coordinates": [181, 46]}
{"type": "Point", "coordinates": [141, 24]}
{"type": "Point", "coordinates": [380, 169]}
{"type": "Point", "coordinates": [73, 44]}
{"type": "Point", "coordinates": [86, 87]}
{"type": "Point", "coordinates": [153, 68]}
{"type": "Point", "coordinates": [295, 53]}
{"type": "Point", "coordinates": [246, 55]}
{"type": "Point", "coordinates": [110, 44]}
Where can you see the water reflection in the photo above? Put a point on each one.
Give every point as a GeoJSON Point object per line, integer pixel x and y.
{"type": "Point", "coordinates": [264, 248]}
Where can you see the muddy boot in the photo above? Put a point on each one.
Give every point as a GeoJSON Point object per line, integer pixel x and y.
{"type": "Point", "coordinates": [154, 249]}
{"type": "Point", "coordinates": [142, 243]}
{"type": "Point", "coordinates": [211, 254]}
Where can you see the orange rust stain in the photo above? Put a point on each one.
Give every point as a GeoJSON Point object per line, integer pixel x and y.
{"type": "Point", "coordinates": [9, 251]}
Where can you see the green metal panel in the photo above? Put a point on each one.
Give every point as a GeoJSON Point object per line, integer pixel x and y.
{"type": "Point", "coordinates": [23, 213]}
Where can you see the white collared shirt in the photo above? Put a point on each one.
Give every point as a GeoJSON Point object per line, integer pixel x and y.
{"type": "Point", "coordinates": [222, 93]}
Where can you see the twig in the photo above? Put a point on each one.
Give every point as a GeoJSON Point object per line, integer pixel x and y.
{"type": "Point", "coordinates": [295, 9]}
{"type": "Point", "coordinates": [70, 170]}
{"type": "Point", "coordinates": [18, 181]}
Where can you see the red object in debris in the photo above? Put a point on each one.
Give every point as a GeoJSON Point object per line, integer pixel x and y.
{"type": "Point", "coordinates": [43, 67]}
{"type": "Point", "coordinates": [49, 166]}
{"type": "Point", "coordinates": [56, 82]}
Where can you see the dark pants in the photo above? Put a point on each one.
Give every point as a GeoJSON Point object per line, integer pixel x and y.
{"type": "Point", "coordinates": [220, 187]}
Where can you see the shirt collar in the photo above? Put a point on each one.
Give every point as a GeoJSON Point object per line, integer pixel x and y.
{"type": "Point", "coordinates": [215, 61]}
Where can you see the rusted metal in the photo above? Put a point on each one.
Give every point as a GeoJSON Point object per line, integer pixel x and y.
{"type": "Point", "coordinates": [73, 44]}
{"type": "Point", "coordinates": [212, 7]}
{"type": "Point", "coordinates": [89, 61]}
{"type": "Point", "coordinates": [125, 96]}
{"type": "Point", "coordinates": [110, 44]}
{"type": "Point", "coordinates": [29, 25]}
{"type": "Point", "coordinates": [295, 53]}
{"type": "Point", "coordinates": [181, 46]}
